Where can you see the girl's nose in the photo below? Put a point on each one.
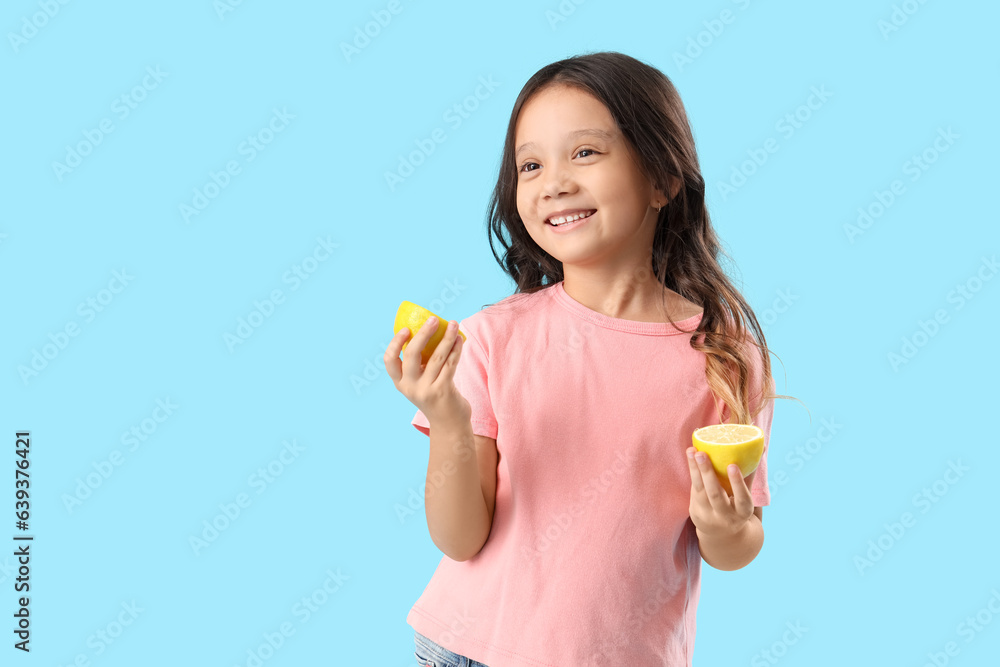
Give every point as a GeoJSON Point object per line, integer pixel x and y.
{"type": "Point", "coordinates": [556, 181]}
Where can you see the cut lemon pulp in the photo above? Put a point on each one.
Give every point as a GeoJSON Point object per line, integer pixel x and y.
{"type": "Point", "coordinates": [412, 316]}
{"type": "Point", "coordinates": [725, 444]}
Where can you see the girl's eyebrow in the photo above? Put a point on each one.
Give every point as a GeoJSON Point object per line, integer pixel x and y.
{"type": "Point", "coordinates": [603, 134]}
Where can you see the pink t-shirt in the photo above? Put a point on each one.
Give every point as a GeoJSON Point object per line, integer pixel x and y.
{"type": "Point", "coordinates": [592, 558]}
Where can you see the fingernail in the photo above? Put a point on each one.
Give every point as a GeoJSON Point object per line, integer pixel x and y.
{"type": "Point", "coordinates": [690, 454]}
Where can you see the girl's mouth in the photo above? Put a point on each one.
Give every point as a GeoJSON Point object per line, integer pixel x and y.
{"type": "Point", "coordinates": [573, 222]}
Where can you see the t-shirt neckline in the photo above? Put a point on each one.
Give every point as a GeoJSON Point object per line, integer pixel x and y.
{"type": "Point", "coordinates": [632, 326]}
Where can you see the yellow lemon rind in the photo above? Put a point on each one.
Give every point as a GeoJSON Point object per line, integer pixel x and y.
{"type": "Point", "coordinates": [412, 316]}
{"type": "Point", "coordinates": [745, 453]}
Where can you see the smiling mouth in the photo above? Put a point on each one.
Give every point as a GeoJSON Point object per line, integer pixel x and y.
{"type": "Point", "coordinates": [570, 222]}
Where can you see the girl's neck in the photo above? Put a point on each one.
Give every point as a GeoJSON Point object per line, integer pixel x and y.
{"type": "Point", "coordinates": [639, 301]}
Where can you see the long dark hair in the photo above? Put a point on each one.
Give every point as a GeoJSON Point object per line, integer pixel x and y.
{"type": "Point", "coordinates": [649, 113]}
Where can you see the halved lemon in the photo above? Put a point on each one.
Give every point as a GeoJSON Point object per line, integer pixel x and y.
{"type": "Point", "coordinates": [725, 444]}
{"type": "Point", "coordinates": [413, 316]}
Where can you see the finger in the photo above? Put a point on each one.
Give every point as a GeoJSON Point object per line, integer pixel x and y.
{"type": "Point", "coordinates": [412, 354]}
{"type": "Point", "coordinates": [741, 494]}
{"type": "Point", "coordinates": [393, 365]}
{"type": "Point", "coordinates": [442, 351]}
{"type": "Point", "coordinates": [697, 485]}
{"type": "Point", "coordinates": [451, 363]}
{"type": "Point", "coordinates": [717, 495]}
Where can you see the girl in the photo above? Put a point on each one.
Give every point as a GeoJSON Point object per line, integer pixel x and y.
{"type": "Point", "coordinates": [561, 485]}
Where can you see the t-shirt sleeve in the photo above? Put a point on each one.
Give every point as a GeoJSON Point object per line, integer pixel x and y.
{"type": "Point", "coordinates": [472, 382]}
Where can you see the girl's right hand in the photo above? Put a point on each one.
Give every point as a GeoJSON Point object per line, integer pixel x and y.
{"type": "Point", "coordinates": [430, 387]}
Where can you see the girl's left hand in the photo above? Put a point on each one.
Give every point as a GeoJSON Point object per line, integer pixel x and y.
{"type": "Point", "coordinates": [713, 511]}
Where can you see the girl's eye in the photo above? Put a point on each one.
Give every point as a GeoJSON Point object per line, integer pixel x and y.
{"type": "Point", "coordinates": [582, 150]}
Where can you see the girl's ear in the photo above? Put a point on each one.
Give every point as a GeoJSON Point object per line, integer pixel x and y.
{"type": "Point", "coordinates": [675, 186]}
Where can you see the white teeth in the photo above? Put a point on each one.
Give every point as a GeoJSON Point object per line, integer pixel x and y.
{"type": "Point", "coordinates": [562, 220]}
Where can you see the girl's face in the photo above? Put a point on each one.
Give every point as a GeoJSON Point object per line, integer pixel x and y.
{"type": "Point", "coordinates": [569, 155]}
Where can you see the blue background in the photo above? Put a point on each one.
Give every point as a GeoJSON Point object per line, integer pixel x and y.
{"type": "Point", "coordinates": [834, 307]}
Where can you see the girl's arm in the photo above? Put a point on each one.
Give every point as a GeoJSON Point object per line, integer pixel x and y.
{"type": "Point", "coordinates": [458, 517]}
